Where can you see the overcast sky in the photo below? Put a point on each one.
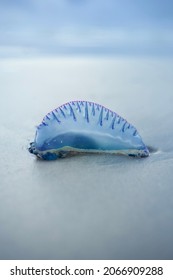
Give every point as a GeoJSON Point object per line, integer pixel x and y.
{"type": "Point", "coordinates": [49, 27]}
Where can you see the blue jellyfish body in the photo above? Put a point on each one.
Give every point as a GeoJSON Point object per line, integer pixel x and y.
{"type": "Point", "coordinates": [82, 126]}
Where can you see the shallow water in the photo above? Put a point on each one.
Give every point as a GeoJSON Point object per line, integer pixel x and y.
{"type": "Point", "coordinates": [86, 206]}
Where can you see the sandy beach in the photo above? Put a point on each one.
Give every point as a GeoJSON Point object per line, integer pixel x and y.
{"type": "Point", "coordinates": [86, 206]}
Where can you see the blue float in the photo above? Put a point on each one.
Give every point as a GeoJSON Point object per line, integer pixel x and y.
{"type": "Point", "coordinates": [82, 126]}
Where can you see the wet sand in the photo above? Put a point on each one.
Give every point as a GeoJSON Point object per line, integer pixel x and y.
{"type": "Point", "coordinates": [86, 206]}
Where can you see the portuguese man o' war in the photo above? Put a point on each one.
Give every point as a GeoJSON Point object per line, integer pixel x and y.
{"type": "Point", "coordinates": [82, 126]}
